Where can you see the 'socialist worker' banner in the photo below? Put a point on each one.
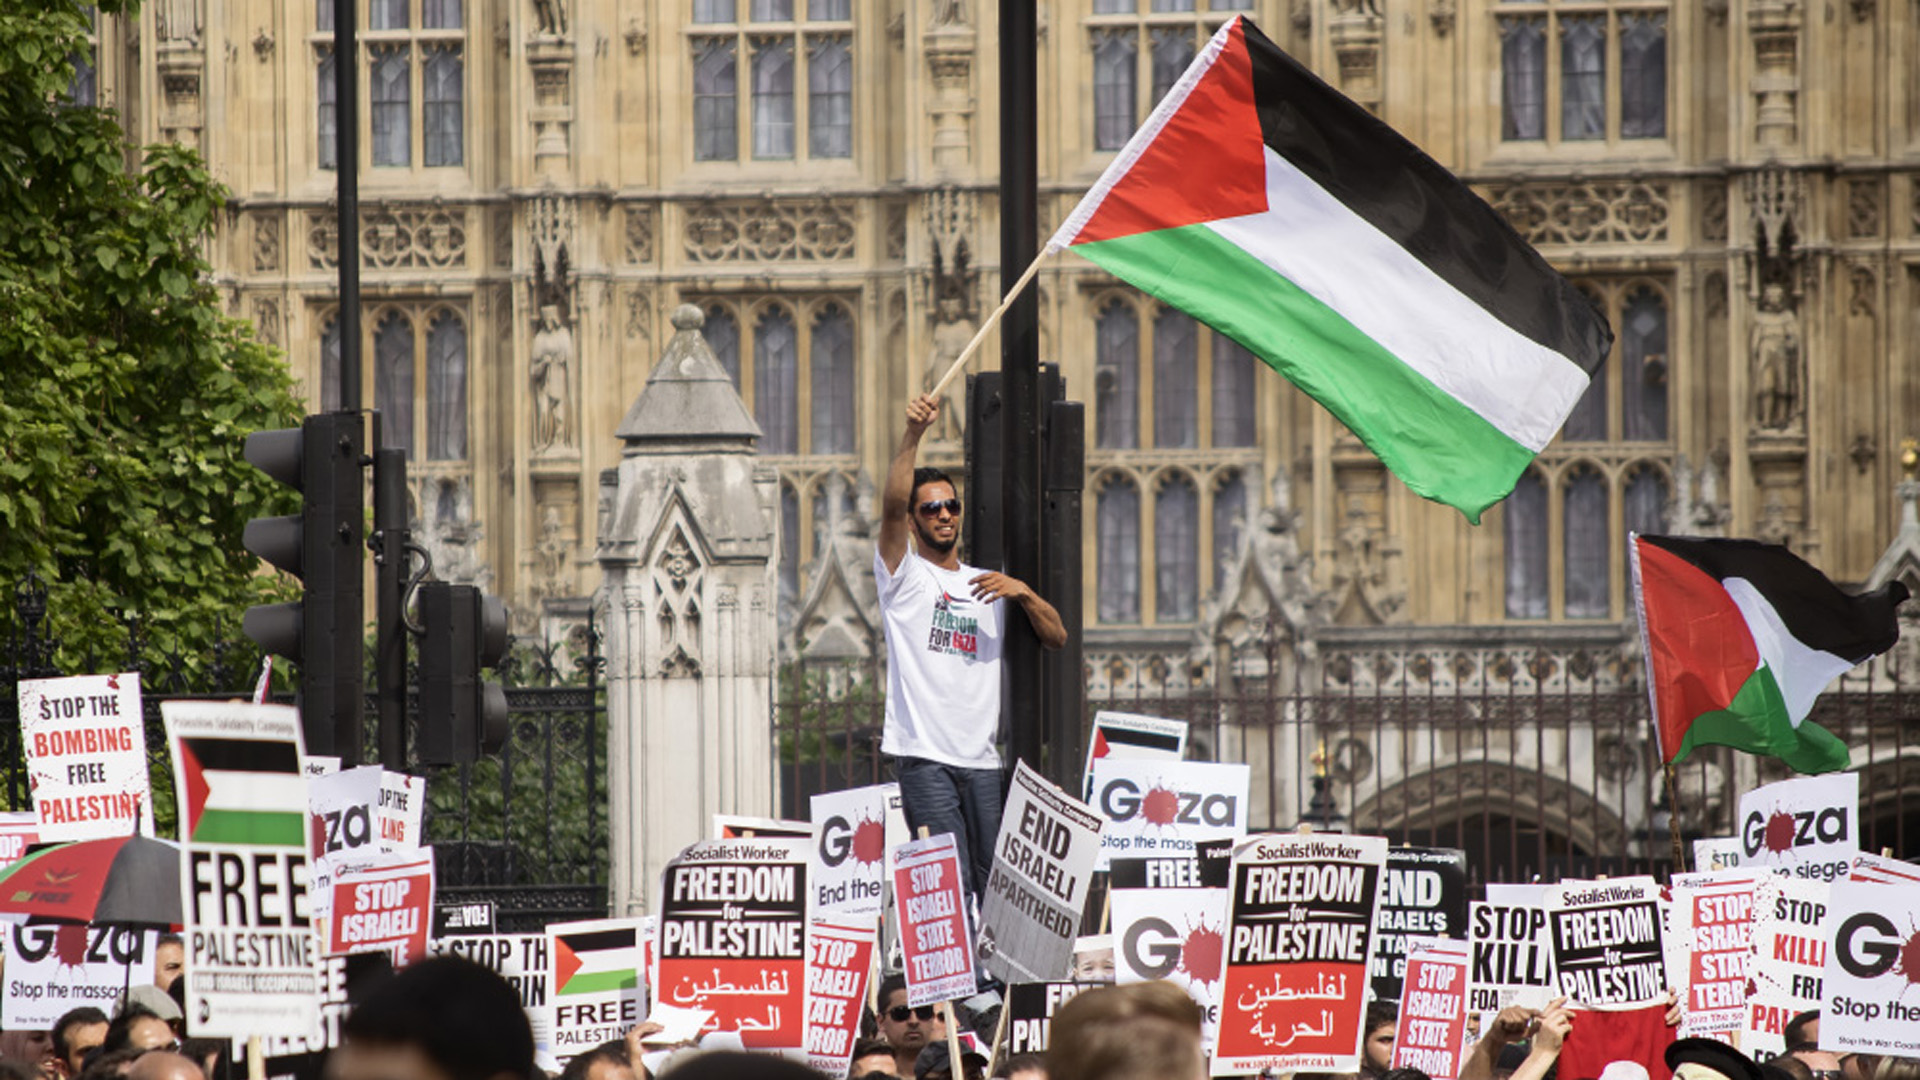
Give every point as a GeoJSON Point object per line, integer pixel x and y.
{"type": "Point", "coordinates": [1804, 826]}
{"type": "Point", "coordinates": [733, 930]}
{"type": "Point", "coordinates": [852, 831]}
{"type": "Point", "coordinates": [1712, 924]}
{"type": "Point", "coordinates": [933, 921]}
{"type": "Point", "coordinates": [598, 981]}
{"type": "Point", "coordinates": [1433, 1010]}
{"type": "Point", "coordinates": [1170, 922]}
{"type": "Point", "coordinates": [252, 968]}
{"type": "Point", "coordinates": [1789, 957]}
{"type": "Point", "coordinates": [1297, 954]}
{"type": "Point", "coordinates": [86, 756]}
{"type": "Point", "coordinates": [1042, 860]}
{"type": "Point", "coordinates": [839, 960]}
{"type": "Point", "coordinates": [1607, 945]}
{"type": "Point", "coordinates": [1424, 895]}
{"type": "Point", "coordinates": [1155, 809]}
{"type": "Point", "coordinates": [1512, 956]}
{"type": "Point", "coordinates": [1871, 941]}
{"type": "Point", "coordinates": [383, 902]}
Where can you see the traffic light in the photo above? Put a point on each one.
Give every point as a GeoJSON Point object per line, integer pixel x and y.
{"type": "Point", "coordinates": [462, 631]}
{"type": "Point", "coordinates": [322, 546]}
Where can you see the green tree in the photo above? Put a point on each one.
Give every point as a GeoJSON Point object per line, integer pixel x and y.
{"type": "Point", "coordinates": [125, 394]}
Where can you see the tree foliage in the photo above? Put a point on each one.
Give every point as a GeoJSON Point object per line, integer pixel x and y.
{"type": "Point", "coordinates": [125, 393]}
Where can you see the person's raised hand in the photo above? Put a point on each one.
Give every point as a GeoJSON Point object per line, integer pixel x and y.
{"type": "Point", "coordinates": [1553, 1026]}
{"type": "Point", "coordinates": [1511, 1025]}
{"type": "Point", "coordinates": [992, 586]}
{"type": "Point", "coordinates": [1676, 1009]}
{"type": "Point", "coordinates": [921, 412]}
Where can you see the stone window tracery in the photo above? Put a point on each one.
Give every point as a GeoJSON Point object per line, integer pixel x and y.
{"type": "Point", "coordinates": [413, 78]}
{"type": "Point", "coordinates": [785, 51]}
{"type": "Point", "coordinates": [1138, 57]}
{"type": "Point", "coordinates": [803, 372]}
{"type": "Point", "coordinates": [1582, 70]}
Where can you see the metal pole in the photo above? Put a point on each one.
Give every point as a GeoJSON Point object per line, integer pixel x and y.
{"type": "Point", "coordinates": [390, 632]}
{"type": "Point", "coordinates": [346, 172]}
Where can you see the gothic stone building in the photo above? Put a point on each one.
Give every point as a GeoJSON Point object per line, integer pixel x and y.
{"type": "Point", "coordinates": [543, 181]}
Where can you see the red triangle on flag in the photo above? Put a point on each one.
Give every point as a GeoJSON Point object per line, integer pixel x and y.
{"type": "Point", "coordinates": [195, 796]}
{"type": "Point", "coordinates": [1206, 163]}
{"type": "Point", "coordinates": [565, 963]}
{"type": "Point", "coordinates": [1100, 748]}
{"type": "Point", "coordinates": [1698, 642]}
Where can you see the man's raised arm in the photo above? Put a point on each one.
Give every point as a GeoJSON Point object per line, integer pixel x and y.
{"type": "Point", "coordinates": [899, 490]}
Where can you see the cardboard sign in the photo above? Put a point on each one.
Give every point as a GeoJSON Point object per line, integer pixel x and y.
{"type": "Point", "coordinates": [1716, 853]}
{"type": "Point", "coordinates": [738, 827]}
{"type": "Point", "coordinates": [1711, 940]}
{"type": "Point", "coordinates": [51, 969]}
{"type": "Point", "coordinates": [452, 918]}
{"type": "Point", "coordinates": [1807, 826]}
{"type": "Point", "coordinates": [1126, 735]}
{"type": "Point", "coordinates": [1881, 870]}
{"type": "Point", "coordinates": [365, 809]}
{"type": "Point", "coordinates": [19, 830]}
{"type": "Point", "coordinates": [1029, 1011]}
{"type": "Point", "coordinates": [932, 908]}
{"type": "Point", "coordinates": [1789, 958]}
{"type": "Point", "coordinates": [732, 938]}
{"type": "Point", "coordinates": [1433, 1012]}
{"type": "Point", "coordinates": [86, 748]}
{"type": "Point", "coordinates": [1424, 894]}
{"type": "Point", "coordinates": [852, 832]}
{"type": "Point", "coordinates": [382, 902]}
{"type": "Point", "coordinates": [1042, 862]}
{"type": "Point", "coordinates": [251, 966]}
{"type": "Point", "coordinates": [403, 805]}
{"type": "Point", "coordinates": [1302, 935]}
{"type": "Point", "coordinates": [1154, 809]}
{"type": "Point", "coordinates": [1872, 942]}
{"type": "Point", "coordinates": [1512, 958]}
{"type": "Point", "coordinates": [598, 989]}
{"type": "Point", "coordinates": [1607, 944]}
{"type": "Point", "coordinates": [839, 960]}
{"type": "Point", "coordinates": [1170, 922]}
{"type": "Point", "coordinates": [525, 961]}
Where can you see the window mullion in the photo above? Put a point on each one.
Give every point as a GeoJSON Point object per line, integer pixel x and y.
{"type": "Point", "coordinates": [803, 320]}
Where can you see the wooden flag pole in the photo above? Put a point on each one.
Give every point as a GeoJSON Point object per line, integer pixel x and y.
{"type": "Point", "coordinates": [980, 335]}
{"type": "Point", "coordinates": [256, 1059]}
{"type": "Point", "coordinates": [1673, 822]}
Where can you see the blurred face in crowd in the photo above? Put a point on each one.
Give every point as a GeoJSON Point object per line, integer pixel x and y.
{"type": "Point", "coordinates": [913, 1027]}
{"type": "Point", "coordinates": [150, 1033]}
{"type": "Point", "coordinates": [1377, 1051]}
{"type": "Point", "coordinates": [80, 1039]}
{"type": "Point", "coordinates": [874, 1063]}
{"type": "Point", "coordinates": [169, 960]}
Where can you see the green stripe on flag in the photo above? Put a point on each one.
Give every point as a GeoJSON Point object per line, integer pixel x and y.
{"type": "Point", "coordinates": [601, 982]}
{"type": "Point", "coordinates": [1757, 721]}
{"type": "Point", "coordinates": [260, 828]}
{"type": "Point", "coordinates": [1439, 447]}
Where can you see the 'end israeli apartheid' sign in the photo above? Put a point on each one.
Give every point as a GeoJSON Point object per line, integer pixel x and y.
{"type": "Point", "coordinates": [1042, 862]}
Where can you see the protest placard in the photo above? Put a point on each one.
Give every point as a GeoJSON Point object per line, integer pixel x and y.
{"type": "Point", "coordinates": [1302, 933]}
{"type": "Point", "coordinates": [1424, 894]}
{"type": "Point", "coordinates": [1873, 939]}
{"type": "Point", "coordinates": [739, 827]}
{"type": "Point", "coordinates": [452, 918]}
{"type": "Point", "coordinates": [1161, 808]}
{"type": "Point", "coordinates": [86, 749]}
{"type": "Point", "coordinates": [251, 964]}
{"type": "Point", "coordinates": [839, 961]}
{"type": "Point", "coordinates": [1711, 939]}
{"type": "Point", "coordinates": [932, 908]}
{"type": "Point", "coordinates": [1170, 922]}
{"type": "Point", "coordinates": [51, 969]}
{"type": "Point", "coordinates": [365, 809]}
{"type": "Point", "coordinates": [1608, 950]}
{"type": "Point", "coordinates": [1512, 956]}
{"type": "Point", "coordinates": [1028, 1015]}
{"type": "Point", "coordinates": [1716, 853]}
{"type": "Point", "coordinates": [1789, 958]}
{"type": "Point", "coordinates": [597, 986]}
{"type": "Point", "coordinates": [524, 960]}
{"type": "Point", "coordinates": [403, 804]}
{"type": "Point", "coordinates": [732, 937]}
{"type": "Point", "coordinates": [344, 981]}
{"type": "Point", "coordinates": [382, 902]}
{"type": "Point", "coordinates": [852, 832]}
{"type": "Point", "coordinates": [1127, 735]}
{"type": "Point", "coordinates": [1806, 825]}
{"type": "Point", "coordinates": [1431, 1033]}
{"type": "Point", "coordinates": [19, 830]}
{"type": "Point", "coordinates": [1882, 870]}
{"type": "Point", "coordinates": [1042, 861]}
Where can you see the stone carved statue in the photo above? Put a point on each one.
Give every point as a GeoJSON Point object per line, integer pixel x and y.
{"type": "Point", "coordinates": [951, 332]}
{"type": "Point", "coordinates": [179, 20]}
{"type": "Point", "coordinates": [552, 366]}
{"type": "Point", "coordinates": [552, 16]}
{"type": "Point", "coordinates": [948, 13]}
{"type": "Point", "coordinates": [550, 554]}
{"type": "Point", "coordinates": [1774, 343]}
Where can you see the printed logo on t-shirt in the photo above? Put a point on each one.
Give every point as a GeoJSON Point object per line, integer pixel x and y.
{"type": "Point", "coordinates": [953, 634]}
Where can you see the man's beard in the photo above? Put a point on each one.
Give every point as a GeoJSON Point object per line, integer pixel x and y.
{"type": "Point", "coordinates": [929, 543]}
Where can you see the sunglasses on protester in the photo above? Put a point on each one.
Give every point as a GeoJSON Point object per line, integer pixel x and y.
{"type": "Point", "coordinates": [934, 506]}
{"type": "Point", "coordinates": [899, 1013]}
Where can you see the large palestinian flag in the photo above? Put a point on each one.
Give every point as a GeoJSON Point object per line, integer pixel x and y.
{"type": "Point", "coordinates": [240, 791]}
{"type": "Point", "coordinates": [1272, 208]}
{"type": "Point", "coordinates": [1740, 639]}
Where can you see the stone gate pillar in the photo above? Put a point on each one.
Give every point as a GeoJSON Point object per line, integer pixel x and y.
{"type": "Point", "coordinates": [688, 548]}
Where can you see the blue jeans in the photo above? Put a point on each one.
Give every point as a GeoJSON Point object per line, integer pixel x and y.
{"type": "Point", "coordinates": [964, 802]}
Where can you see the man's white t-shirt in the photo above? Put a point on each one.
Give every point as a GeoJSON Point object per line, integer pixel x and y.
{"type": "Point", "coordinates": [943, 664]}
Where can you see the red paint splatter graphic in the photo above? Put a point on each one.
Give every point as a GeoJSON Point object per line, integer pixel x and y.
{"type": "Point", "coordinates": [1160, 806]}
{"type": "Point", "coordinates": [1779, 831]}
{"type": "Point", "coordinates": [869, 841]}
{"type": "Point", "coordinates": [1201, 953]}
{"type": "Point", "coordinates": [1907, 964]}
{"type": "Point", "coordinates": [70, 945]}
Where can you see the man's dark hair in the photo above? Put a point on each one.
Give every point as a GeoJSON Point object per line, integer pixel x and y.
{"type": "Point", "coordinates": [733, 1065]}
{"type": "Point", "coordinates": [170, 939]}
{"type": "Point", "coordinates": [922, 476]}
{"type": "Point", "coordinates": [867, 1047]}
{"type": "Point", "coordinates": [1019, 1063]}
{"type": "Point", "coordinates": [1404, 1074]}
{"type": "Point", "coordinates": [1380, 1014]}
{"type": "Point", "coordinates": [120, 1031]}
{"type": "Point", "coordinates": [111, 1064]}
{"type": "Point", "coordinates": [888, 986]}
{"type": "Point", "coordinates": [463, 1016]}
{"type": "Point", "coordinates": [73, 1018]}
{"type": "Point", "coordinates": [613, 1051]}
{"type": "Point", "coordinates": [1796, 1030]}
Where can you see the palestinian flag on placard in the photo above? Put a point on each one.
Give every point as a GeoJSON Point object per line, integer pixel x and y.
{"type": "Point", "coordinates": [1740, 639]}
{"type": "Point", "coordinates": [1270, 207]}
{"type": "Point", "coordinates": [596, 962]}
{"type": "Point", "coordinates": [241, 791]}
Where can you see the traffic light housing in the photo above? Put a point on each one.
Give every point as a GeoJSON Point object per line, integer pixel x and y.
{"type": "Point", "coordinates": [462, 632]}
{"type": "Point", "coordinates": [322, 546]}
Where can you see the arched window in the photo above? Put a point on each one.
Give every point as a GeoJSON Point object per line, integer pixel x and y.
{"type": "Point", "coordinates": [1583, 77]}
{"type": "Point", "coordinates": [447, 389]}
{"type": "Point", "coordinates": [716, 104]}
{"type": "Point", "coordinates": [326, 110]}
{"type": "Point", "coordinates": [1643, 366]}
{"type": "Point", "coordinates": [1176, 538]}
{"type": "Point", "coordinates": [1234, 393]}
{"type": "Point", "coordinates": [1172, 49]}
{"type": "Point", "coordinates": [330, 366]}
{"type": "Point", "coordinates": [1229, 525]}
{"type": "Point", "coordinates": [723, 337]}
{"type": "Point", "coordinates": [442, 108]}
{"type": "Point", "coordinates": [1588, 421]}
{"type": "Point", "coordinates": [773, 98]}
{"type": "Point", "coordinates": [830, 94]}
{"type": "Point", "coordinates": [1586, 545]}
{"type": "Point", "coordinates": [1526, 548]}
{"type": "Point", "coordinates": [393, 379]}
{"type": "Point", "coordinates": [1176, 393]}
{"type": "Point", "coordinates": [1645, 503]}
{"type": "Point", "coordinates": [1116, 377]}
{"type": "Point", "coordinates": [1643, 75]}
{"type": "Point", "coordinates": [775, 384]}
{"type": "Point", "coordinates": [831, 361]}
{"type": "Point", "coordinates": [1114, 75]}
{"type": "Point", "coordinates": [1523, 78]}
{"type": "Point", "coordinates": [391, 80]}
{"type": "Point", "coordinates": [1117, 551]}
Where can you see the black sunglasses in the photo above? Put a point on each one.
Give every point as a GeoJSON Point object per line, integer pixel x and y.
{"type": "Point", "coordinates": [899, 1013]}
{"type": "Point", "coordinates": [934, 506]}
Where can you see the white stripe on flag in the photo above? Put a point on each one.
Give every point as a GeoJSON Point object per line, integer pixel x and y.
{"type": "Point", "coordinates": [254, 791]}
{"type": "Point", "coordinates": [1311, 238]}
{"type": "Point", "coordinates": [1800, 672]}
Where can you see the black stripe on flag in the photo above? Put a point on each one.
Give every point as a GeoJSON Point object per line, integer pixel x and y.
{"type": "Point", "coordinates": [245, 755]}
{"type": "Point", "coordinates": [599, 940]}
{"type": "Point", "coordinates": [1151, 740]}
{"type": "Point", "coordinates": [1813, 608]}
{"type": "Point", "coordinates": [1392, 184]}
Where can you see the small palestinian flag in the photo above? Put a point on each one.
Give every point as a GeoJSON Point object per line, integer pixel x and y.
{"type": "Point", "coordinates": [596, 961]}
{"type": "Point", "coordinates": [241, 791]}
{"type": "Point", "coordinates": [1265, 204]}
{"type": "Point", "coordinates": [1740, 639]}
